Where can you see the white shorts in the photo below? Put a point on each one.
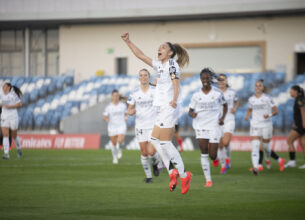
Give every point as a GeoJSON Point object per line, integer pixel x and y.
{"type": "Point", "coordinates": [167, 116]}
{"type": "Point", "coordinates": [265, 133]}
{"type": "Point", "coordinates": [114, 131]}
{"type": "Point", "coordinates": [143, 135]}
{"type": "Point", "coordinates": [11, 123]}
{"type": "Point", "coordinates": [213, 135]}
{"type": "Point", "coordinates": [228, 127]}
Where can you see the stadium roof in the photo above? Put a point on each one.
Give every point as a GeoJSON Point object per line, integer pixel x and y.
{"type": "Point", "coordinates": [55, 12]}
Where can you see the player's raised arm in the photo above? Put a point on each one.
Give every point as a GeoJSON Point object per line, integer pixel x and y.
{"type": "Point", "coordinates": [135, 50]}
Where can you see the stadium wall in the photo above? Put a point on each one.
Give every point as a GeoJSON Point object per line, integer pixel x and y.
{"type": "Point", "coordinates": [96, 141]}
{"type": "Point", "coordinates": [88, 48]}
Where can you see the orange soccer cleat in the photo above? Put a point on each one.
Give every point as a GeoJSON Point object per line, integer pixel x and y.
{"type": "Point", "coordinates": [173, 180]}
{"type": "Point", "coordinates": [215, 163]}
{"type": "Point", "coordinates": [228, 163]}
{"type": "Point", "coordinates": [208, 183]}
{"type": "Point", "coordinates": [186, 182]}
{"type": "Point", "coordinates": [223, 170]}
{"type": "Point", "coordinates": [282, 164]}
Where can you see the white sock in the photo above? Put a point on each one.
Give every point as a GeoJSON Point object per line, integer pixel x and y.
{"type": "Point", "coordinates": [118, 147]}
{"type": "Point", "coordinates": [255, 153]}
{"type": "Point", "coordinates": [205, 164]}
{"type": "Point", "coordinates": [175, 158]}
{"type": "Point", "coordinates": [6, 145]}
{"type": "Point", "coordinates": [155, 159]}
{"type": "Point", "coordinates": [218, 153]}
{"type": "Point", "coordinates": [222, 157]}
{"type": "Point", "coordinates": [228, 151]}
{"type": "Point", "coordinates": [267, 150]}
{"type": "Point", "coordinates": [17, 142]}
{"type": "Point", "coordinates": [162, 153]}
{"type": "Point", "coordinates": [114, 152]}
{"type": "Point", "coordinates": [146, 166]}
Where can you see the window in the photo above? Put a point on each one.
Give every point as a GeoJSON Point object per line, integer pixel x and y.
{"type": "Point", "coordinates": [300, 63]}
{"type": "Point", "coordinates": [12, 53]}
{"type": "Point", "coordinates": [52, 52]}
{"type": "Point", "coordinates": [121, 66]}
{"type": "Point", "coordinates": [44, 52]}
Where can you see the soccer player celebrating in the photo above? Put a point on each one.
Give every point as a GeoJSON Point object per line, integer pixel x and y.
{"type": "Point", "coordinates": [229, 123]}
{"type": "Point", "coordinates": [166, 101]}
{"type": "Point", "coordinates": [115, 115]}
{"type": "Point", "coordinates": [10, 101]}
{"type": "Point", "coordinates": [205, 109]}
{"type": "Point", "coordinates": [141, 104]}
{"type": "Point", "coordinates": [298, 127]}
{"type": "Point", "coordinates": [262, 108]}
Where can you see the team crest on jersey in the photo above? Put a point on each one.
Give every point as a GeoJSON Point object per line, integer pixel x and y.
{"type": "Point", "coordinates": [172, 72]}
{"type": "Point", "coordinates": [213, 97]}
{"type": "Point", "coordinates": [172, 69]}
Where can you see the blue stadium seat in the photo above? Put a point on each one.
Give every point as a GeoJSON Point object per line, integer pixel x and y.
{"type": "Point", "coordinates": [69, 80]}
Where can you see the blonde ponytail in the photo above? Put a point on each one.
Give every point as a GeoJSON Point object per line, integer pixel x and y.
{"type": "Point", "coordinates": [183, 56]}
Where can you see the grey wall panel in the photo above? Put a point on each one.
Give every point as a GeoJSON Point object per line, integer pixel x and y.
{"type": "Point", "coordinates": [88, 121]}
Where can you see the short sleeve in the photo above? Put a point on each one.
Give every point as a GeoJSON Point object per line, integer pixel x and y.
{"type": "Point", "coordinates": [271, 102]}
{"type": "Point", "coordinates": [106, 111]}
{"type": "Point", "coordinates": [131, 100]}
{"type": "Point", "coordinates": [15, 98]}
{"type": "Point", "coordinates": [300, 102]}
{"type": "Point", "coordinates": [125, 107]}
{"type": "Point", "coordinates": [222, 99]}
{"type": "Point", "coordinates": [235, 97]}
{"type": "Point", "coordinates": [250, 104]}
{"type": "Point", "coordinates": [193, 102]}
{"type": "Point", "coordinates": [156, 64]}
{"type": "Point", "coordinates": [174, 70]}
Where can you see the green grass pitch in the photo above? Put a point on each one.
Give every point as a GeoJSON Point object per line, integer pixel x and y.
{"type": "Point", "coordinates": [84, 184]}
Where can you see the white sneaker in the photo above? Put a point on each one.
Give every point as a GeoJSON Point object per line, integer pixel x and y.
{"type": "Point", "coordinates": [120, 153]}
{"type": "Point", "coordinates": [291, 163]}
{"type": "Point", "coordinates": [115, 161]}
{"type": "Point", "coordinates": [302, 167]}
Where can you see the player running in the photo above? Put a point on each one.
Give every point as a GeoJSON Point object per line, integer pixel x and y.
{"type": "Point", "coordinates": [141, 104]}
{"type": "Point", "coordinates": [115, 115]}
{"type": "Point", "coordinates": [166, 101]}
{"type": "Point", "coordinates": [229, 123]}
{"type": "Point", "coordinates": [208, 109]}
{"type": "Point", "coordinates": [262, 108]}
{"type": "Point", "coordinates": [298, 127]}
{"type": "Point", "coordinates": [10, 101]}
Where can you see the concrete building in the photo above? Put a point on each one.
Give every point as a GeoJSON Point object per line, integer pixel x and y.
{"type": "Point", "coordinates": [41, 37]}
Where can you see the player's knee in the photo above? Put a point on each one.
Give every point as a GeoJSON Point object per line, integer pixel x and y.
{"type": "Point", "coordinates": [226, 142]}
{"type": "Point", "coordinates": [290, 141]}
{"type": "Point", "coordinates": [213, 156]}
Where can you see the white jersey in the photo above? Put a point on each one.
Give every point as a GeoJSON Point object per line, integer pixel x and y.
{"type": "Point", "coordinates": [145, 111]}
{"type": "Point", "coordinates": [208, 108]}
{"type": "Point", "coordinates": [261, 106]}
{"type": "Point", "coordinates": [230, 97]}
{"type": "Point", "coordinates": [165, 74]}
{"type": "Point", "coordinates": [116, 114]}
{"type": "Point", "coordinates": [10, 99]}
